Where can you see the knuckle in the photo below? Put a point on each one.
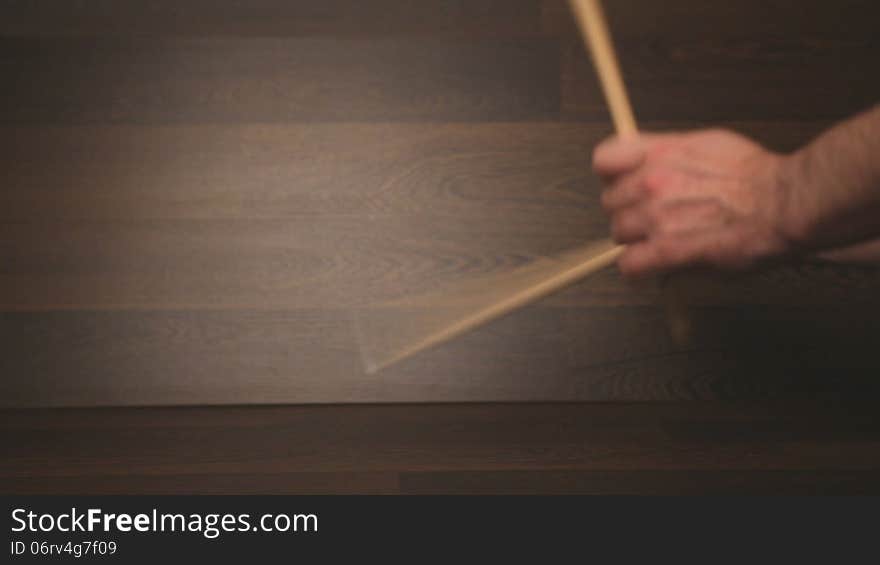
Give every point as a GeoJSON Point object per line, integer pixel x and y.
{"type": "Point", "coordinates": [660, 149]}
{"type": "Point", "coordinates": [656, 182]}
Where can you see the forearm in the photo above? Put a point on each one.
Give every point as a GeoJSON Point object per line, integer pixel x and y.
{"type": "Point", "coordinates": [830, 190]}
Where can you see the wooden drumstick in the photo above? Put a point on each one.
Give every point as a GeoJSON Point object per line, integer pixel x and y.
{"type": "Point", "coordinates": [594, 28]}
{"type": "Point", "coordinates": [564, 269]}
{"type": "Point", "coordinates": [591, 20]}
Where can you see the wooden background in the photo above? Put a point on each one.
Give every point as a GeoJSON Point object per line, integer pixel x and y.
{"type": "Point", "coordinates": [648, 448]}
{"type": "Point", "coordinates": [195, 194]}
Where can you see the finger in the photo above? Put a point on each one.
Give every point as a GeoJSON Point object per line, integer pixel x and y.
{"type": "Point", "coordinates": [662, 254]}
{"type": "Point", "coordinates": [619, 155]}
{"type": "Point", "coordinates": [686, 217]}
{"type": "Point", "coordinates": [722, 249]}
{"type": "Point", "coordinates": [668, 185]}
{"type": "Point", "coordinates": [616, 156]}
{"type": "Point", "coordinates": [630, 225]}
{"type": "Point", "coordinates": [627, 191]}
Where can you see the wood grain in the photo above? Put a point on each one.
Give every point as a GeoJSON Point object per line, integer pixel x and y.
{"type": "Point", "coordinates": [641, 482]}
{"type": "Point", "coordinates": [321, 216]}
{"type": "Point", "coordinates": [148, 81]}
{"type": "Point", "coordinates": [535, 171]}
{"type": "Point", "coordinates": [382, 17]}
{"type": "Point", "coordinates": [692, 448]}
{"type": "Point", "coordinates": [720, 20]}
{"type": "Point", "coordinates": [681, 78]}
{"type": "Point", "coordinates": [269, 17]}
{"type": "Point", "coordinates": [542, 353]}
{"type": "Point", "coordinates": [194, 198]}
{"type": "Point", "coordinates": [687, 59]}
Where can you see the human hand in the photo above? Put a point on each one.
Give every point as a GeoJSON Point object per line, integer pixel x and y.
{"type": "Point", "coordinates": [709, 197]}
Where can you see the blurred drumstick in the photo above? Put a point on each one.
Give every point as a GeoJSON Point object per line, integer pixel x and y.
{"type": "Point", "coordinates": [395, 331]}
{"type": "Point", "coordinates": [594, 28]}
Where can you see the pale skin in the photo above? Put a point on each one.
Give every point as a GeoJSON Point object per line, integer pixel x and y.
{"type": "Point", "coordinates": [716, 198]}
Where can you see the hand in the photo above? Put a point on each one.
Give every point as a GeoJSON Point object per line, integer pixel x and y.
{"type": "Point", "coordinates": [708, 197]}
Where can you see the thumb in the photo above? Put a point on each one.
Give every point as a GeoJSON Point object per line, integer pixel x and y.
{"type": "Point", "coordinates": [620, 155]}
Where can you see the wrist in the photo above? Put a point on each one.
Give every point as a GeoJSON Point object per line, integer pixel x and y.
{"type": "Point", "coordinates": [795, 215]}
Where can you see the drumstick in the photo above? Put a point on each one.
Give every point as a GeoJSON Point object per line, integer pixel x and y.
{"type": "Point", "coordinates": [508, 292]}
{"type": "Point", "coordinates": [591, 21]}
{"type": "Point", "coordinates": [594, 28]}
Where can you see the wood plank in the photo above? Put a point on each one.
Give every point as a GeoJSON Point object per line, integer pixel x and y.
{"type": "Point", "coordinates": [745, 60]}
{"type": "Point", "coordinates": [310, 356]}
{"type": "Point", "coordinates": [293, 209]}
{"type": "Point", "coordinates": [191, 219]}
{"type": "Point", "coordinates": [529, 170]}
{"type": "Point", "coordinates": [310, 263]}
{"type": "Point", "coordinates": [314, 17]}
{"type": "Point", "coordinates": [701, 18]}
{"type": "Point", "coordinates": [149, 81]}
{"type": "Point", "coordinates": [324, 216]}
{"type": "Point", "coordinates": [269, 17]}
{"type": "Point", "coordinates": [697, 80]}
{"type": "Point", "coordinates": [299, 171]}
{"type": "Point", "coordinates": [652, 483]}
{"type": "Point", "coordinates": [276, 271]}
{"type": "Point", "coordinates": [341, 263]}
{"type": "Point", "coordinates": [292, 483]}
{"type": "Point", "coordinates": [826, 447]}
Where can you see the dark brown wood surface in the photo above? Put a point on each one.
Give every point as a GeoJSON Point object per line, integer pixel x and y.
{"type": "Point", "coordinates": [658, 448]}
{"type": "Point", "coordinates": [195, 195]}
